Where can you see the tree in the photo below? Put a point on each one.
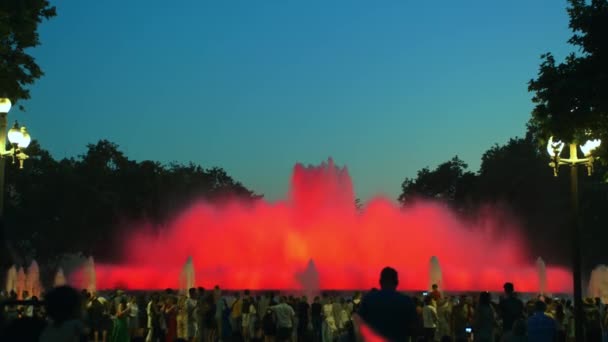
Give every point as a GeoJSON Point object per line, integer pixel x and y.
{"type": "Point", "coordinates": [19, 20]}
{"type": "Point", "coordinates": [570, 97]}
{"type": "Point", "coordinates": [514, 179]}
{"type": "Point", "coordinates": [446, 182]}
{"type": "Point", "coordinates": [84, 204]}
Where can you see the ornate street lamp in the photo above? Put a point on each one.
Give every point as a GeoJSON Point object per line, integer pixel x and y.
{"type": "Point", "coordinates": [18, 139]}
{"type": "Point", "coordinates": [554, 148]}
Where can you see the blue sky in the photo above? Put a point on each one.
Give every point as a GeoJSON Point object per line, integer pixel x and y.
{"type": "Point", "coordinates": [385, 87]}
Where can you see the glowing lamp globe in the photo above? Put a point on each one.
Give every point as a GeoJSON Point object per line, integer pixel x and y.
{"type": "Point", "coordinates": [15, 136]}
{"type": "Point", "coordinates": [554, 148]}
{"type": "Point", "coordinates": [26, 139]}
{"type": "Point", "coordinates": [589, 146]}
{"type": "Point", "coordinates": [5, 105]}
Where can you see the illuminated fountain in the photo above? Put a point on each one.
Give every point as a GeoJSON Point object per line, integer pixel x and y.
{"type": "Point", "coordinates": [598, 283]}
{"type": "Point", "coordinates": [309, 280]}
{"type": "Point", "coordinates": [264, 245]}
{"type": "Point", "coordinates": [11, 280]}
{"type": "Point", "coordinates": [59, 278]}
{"type": "Point", "coordinates": [541, 268]}
{"type": "Point", "coordinates": [435, 276]}
{"type": "Point", "coordinates": [187, 277]}
{"type": "Point", "coordinates": [89, 279]}
{"type": "Point", "coordinates": [21, 279]}
{"type": "Point", "coordinates": [32, 280]}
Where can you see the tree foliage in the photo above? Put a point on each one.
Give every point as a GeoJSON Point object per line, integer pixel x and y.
{"type": "Point", "coordinates": [448, 181]}
{"type": "Point", "coordinates": [515, 179]}
{"type": "Point", "coordinates": [19, 20]}
{"type": "Point", "coordinates": [570, 96]}
{"type": "Point", "coordinates": [82, 204]}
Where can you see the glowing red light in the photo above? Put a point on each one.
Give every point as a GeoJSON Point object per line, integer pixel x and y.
{"type": "Point", "coordinates": [264, 245]}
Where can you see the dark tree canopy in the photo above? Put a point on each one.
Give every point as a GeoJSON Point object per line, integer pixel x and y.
{"type": "Point", "coordinates": [570, 96]}
{"type": "Point", "coordinates": [19, 20]}
{"type": "Point", "coordinates": [447, 181]}
{"type": "Point", "coordinates": [83, 204]}
{"type": "Point", "coordinates": [515, 180]}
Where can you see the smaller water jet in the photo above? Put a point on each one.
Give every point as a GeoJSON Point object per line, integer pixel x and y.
{"type": "Point", "coordinates": [187, 276]}
{"type": "Point", "coordinates": [435, 275]}
{"type": "Point", "coordinates": [59, 278]}
{"type": "Point", "coordinates": [21, 279]}
{"type": "Point", "coordinates": [598, 283]}
{"type": "Point", "coordinates": [309, 280]}
{"type": "Point", "coordinates": [11, 280]}
{"type": "Point", "coordinates": [32, 280]}
{"type": "Point", "coordinates": [541, 269]}
{"type": "Point", "coordinates": [90, 277]}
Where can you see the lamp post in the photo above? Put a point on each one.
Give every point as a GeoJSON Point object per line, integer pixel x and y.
{"type": "Point", "coordinates": [554, 148]}
{"type": "Point", "coordinates": [19, 139]}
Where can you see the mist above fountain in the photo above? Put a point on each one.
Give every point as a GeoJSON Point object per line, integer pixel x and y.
{"type": "Point", "coordinates": [263, 245]}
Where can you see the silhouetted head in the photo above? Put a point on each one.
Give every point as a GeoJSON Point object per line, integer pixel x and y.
{"type": "Point", "coordinates": [509, 288]}
{"type": "Point", "coordinates": [540, 306]}
{"type": "Point", "coordinates": [192, 292]}
{"type": "Point", "coordinates": [435, 287]}
{"type": "Point", "coordinates": [62, 304]}
{"type": "Point", "coordinates": [389, 280]}
{"type": "Point", "coordinates": [484, 298]}
{"type": "Point", "coordinates": [247, 293]}
{"type": "Point", "coordinates": [317, 299]}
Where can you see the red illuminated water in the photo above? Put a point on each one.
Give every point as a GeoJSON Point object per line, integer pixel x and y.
{"type": "Point", "coordinates": [264, 245]}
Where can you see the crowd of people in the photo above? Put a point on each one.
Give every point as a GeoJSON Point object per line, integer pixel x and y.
{"type": "Point", "coordinates": [380, 315]}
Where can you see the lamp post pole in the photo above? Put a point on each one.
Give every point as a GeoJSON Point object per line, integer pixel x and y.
{"type": "Point", "coordinates": [576, 249]}
{"type": "Point", "coordinates": [3, 131]}
{"type": "Point", "coordinates": [19, 138]}
{"type": "Point", "coordinates": [555, 149]}
{"type": "Point", "coordinates": [4, 254]}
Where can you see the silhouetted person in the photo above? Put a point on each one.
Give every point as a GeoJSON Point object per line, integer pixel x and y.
{"type": "Point", "coordinates": [435, 294]}
{"type": "Point", "coordinates": [592, 321]}
{"type": "Point", "coordinates": [517, 334]}
{"type": "Point", "coordinates": [484, 319]}
{"type": "Point", "coordinates": [541, 328]}
{"type": "Point", "coordinates": [317, 320]}
{"type": "Point", "coordinates": [387, 312]}
{"type": "Point", "coordinates": [64, 309]}
{"type": "Point", "coordinates": [511, 308]}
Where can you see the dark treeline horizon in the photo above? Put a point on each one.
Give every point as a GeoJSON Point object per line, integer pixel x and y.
{"type": "Point", "coordinates": [85, 204]}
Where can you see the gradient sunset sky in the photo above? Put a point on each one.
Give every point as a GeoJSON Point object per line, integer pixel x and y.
{"type": "Point", "coordinates": [385, 87]}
